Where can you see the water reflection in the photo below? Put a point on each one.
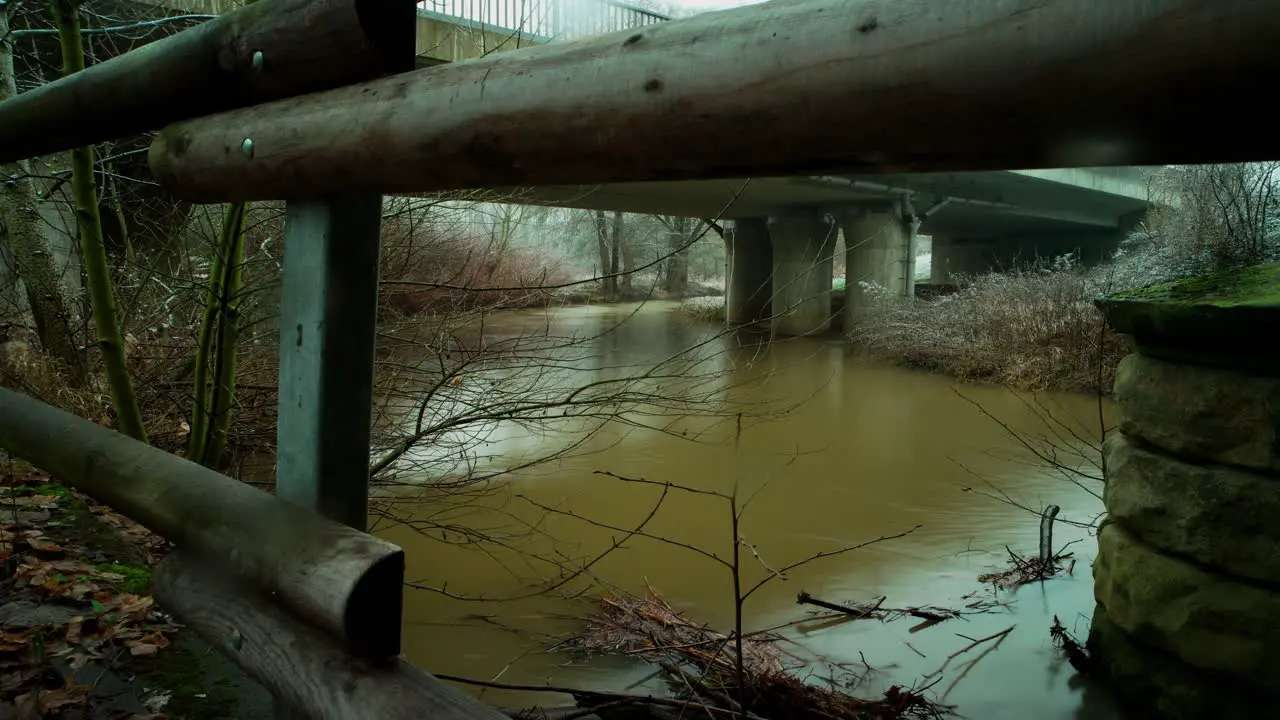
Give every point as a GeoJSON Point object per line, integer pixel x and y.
{"type": "Point", "coordinates": [876, 451]}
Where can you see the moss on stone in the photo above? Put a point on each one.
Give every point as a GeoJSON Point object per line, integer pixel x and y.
{"type": "Point", "coordinates": [1258, 285]}
{"type": "Point", "coordinates": [1215, 319]}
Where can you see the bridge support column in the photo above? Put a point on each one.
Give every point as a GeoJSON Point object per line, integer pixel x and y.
{"type": "Point", "coordinates": [803, 242]}
{"type": "Point", "coordinates": [955, 256]}
{"type": "Point", "coordinates": [748, 257]}
{"type": "Point", "coordinates": [879, 255]}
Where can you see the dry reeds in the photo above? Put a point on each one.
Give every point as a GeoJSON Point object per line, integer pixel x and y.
{"type": "Point", "coordinates": [1032, 329]}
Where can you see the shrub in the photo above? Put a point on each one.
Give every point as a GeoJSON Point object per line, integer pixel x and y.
{"type": "Point", "coordinates": [1035, 328]}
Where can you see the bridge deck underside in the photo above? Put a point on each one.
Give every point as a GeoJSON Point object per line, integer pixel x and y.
{"type": "Point", "coordinates": [985, 203]}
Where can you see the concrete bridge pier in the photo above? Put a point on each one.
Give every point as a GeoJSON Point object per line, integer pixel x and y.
{"type": "Point", "coordinates": [748, 274]}
{"type": "Point", "coordinates": [958, 256]}
{"type": "Point", "coordinates": [879, 254]}
{"type": "Point", "coordinates": [803, 243]}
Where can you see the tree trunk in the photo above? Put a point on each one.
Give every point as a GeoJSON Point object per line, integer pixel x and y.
{"type": "Point", "coordinates": [608, 284]}
{"type": "Point", "coordinates": [216, 347]}
{"type": "Point", "coordinates": [66, 16]}
{"type": "Point", "coordinates": [677, 279]}
{"type": "Point", "coordinates": [615, 257]}
{"type": "Point", "coordinates": [33, 256]}
{"type": "Point", "coordinates": [628, 255]}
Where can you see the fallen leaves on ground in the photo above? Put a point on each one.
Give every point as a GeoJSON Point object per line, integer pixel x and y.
{"type": "Point", "coordinates": [60, 609]}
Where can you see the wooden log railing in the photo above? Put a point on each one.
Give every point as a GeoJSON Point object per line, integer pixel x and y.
{"type": "Point", "coordinates": [790, 87]}
{"type": "Point", "coordinates": [289, 587]}
{"type": "Point", "coordinates": [343, 581]}
{"type": "Point", "coordinates": [263, 51]}
{"type": "Point", "coordinates": [308, 607]}
{"type": "Point", "coordinates": [311, 608]}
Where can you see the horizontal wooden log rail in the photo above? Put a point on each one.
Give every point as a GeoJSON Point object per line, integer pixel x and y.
{"type": "Point", "coordinates": [789, 87]}
{"type": "Point", "coordinates": [265, 51]}
{"type": "Point", "coordinates": [338, 579]}
{"type": "Point", "coordinates": [298, 665]}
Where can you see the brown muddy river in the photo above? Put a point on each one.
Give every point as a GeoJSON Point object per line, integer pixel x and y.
{"type": "Point", "coordinates": [862, 450]}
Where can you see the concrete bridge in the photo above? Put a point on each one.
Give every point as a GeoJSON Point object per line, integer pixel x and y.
{"type": "Point", "coordinates": [784, 231]}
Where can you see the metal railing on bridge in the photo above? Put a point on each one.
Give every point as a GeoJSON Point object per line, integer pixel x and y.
{"type": "Point", "coordinates": [543, 20]}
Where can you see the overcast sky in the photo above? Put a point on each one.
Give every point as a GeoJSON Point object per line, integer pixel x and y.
{"type": "Point", "coordinates": [712, 4]}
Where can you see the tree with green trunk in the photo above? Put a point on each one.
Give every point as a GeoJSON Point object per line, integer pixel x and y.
{"type": "Point", "coordinates": [217, 344]}
{"type": "Point", "coordinates": [21, 229]}
{"type": "Point", "coordinates": [93, 252]}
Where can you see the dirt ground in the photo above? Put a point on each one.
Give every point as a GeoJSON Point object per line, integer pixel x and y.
{"type": "Point", "coordinates": [80, 635]}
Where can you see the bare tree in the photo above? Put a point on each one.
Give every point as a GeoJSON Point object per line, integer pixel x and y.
{"type": "Point", "coordinates": [23, 231]}
{"type": "Point", "coordinates": [1211, 217]}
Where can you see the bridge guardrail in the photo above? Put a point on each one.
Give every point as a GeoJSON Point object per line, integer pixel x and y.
{"type": "Point", "coordinates": [543, 20]}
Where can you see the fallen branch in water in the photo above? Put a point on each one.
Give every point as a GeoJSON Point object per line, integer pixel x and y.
{"type": "Point", "coordinates": [876, 610]}
{"type": "Point", "coordinates": [700, 665]}
{"type": "Point", "coordinates": [1075, 652]}
{"type": "Point", "coordinates": [1025, 570]}
{"type": "Point", "coordinates": [997, 637]}
{"type": "Point", "coordinates": [594, 700]}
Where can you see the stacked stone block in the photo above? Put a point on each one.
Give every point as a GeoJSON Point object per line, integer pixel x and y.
{"type": "Point", "coordinates": [1187, 578]}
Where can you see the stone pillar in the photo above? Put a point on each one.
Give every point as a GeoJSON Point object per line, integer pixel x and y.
{"type": "Point", "coordinates": [748, 257]}
{"type": "Point", "coordinates": [878, 255]}
{"type": "Point", "coordinates": [803, 241]}
{"type": "Point", "coordinates": [1187, 578]}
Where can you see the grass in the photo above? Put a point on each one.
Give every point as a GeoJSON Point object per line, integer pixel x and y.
{"type": "Point", "coordinates": [703, 309]}
{"type": "Point", "coordinates": [137, 578]}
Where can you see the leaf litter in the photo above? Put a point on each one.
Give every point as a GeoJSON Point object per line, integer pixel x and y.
{"type": "Point", "coordinates": [63, 610]}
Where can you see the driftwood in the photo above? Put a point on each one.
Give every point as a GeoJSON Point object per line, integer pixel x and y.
{"type": "Point", "coordinates": [782, 88]}
{"type": "Point", "coordinates": [699, 664]}
{"type": "Point", "coordinates": [1072, 648]}
{"type": "Point", "coordinates": [268, 50]}
{"type": "Point", "coordinates": [301, 667]}
{"type": "Point", "coordinates": [1026, 570]}
{"type": "Point", "coordinates": [877, 611]}
{"type": "Point", "coordinates": [339, 579]}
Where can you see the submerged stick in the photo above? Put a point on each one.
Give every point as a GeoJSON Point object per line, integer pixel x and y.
{"type": "Point", "coordinates": [805, 598]}
{"type": "Point", "coordinates": [1046, 534]}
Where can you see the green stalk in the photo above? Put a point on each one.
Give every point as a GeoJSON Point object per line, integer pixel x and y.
{"type": "Point", "coordinates": [66, 18]}
{"type": "Point", "coordinates": [216, 344]}
{"type": "Point", "coordinates": [224, 374]}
